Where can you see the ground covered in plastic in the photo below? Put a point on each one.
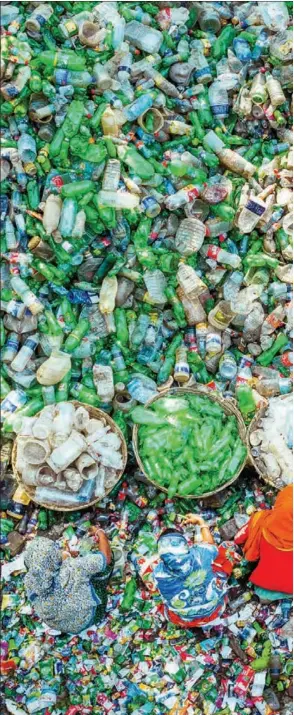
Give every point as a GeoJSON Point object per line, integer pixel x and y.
{"type": "Point", "coordinates": [136, 662]}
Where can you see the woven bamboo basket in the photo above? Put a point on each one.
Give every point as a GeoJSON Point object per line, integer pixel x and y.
{"type": "Point", "coordinates": [94, 413]}
{"type": "Point", "coordinates": [228, 407]}
{"type": "Point", "coordinates": [256, 462]}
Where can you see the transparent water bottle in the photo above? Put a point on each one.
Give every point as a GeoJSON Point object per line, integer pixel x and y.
{"type": "Point", "coordinates": [142, 388]}
{"type": "Point", "coordinates": [219, 101]}
{"type": "Point", "coordinates": [26, 352]}
{"type": "Point", "coordinates": [227, 366]}
{"type": "Point", "coordinates": [145, 38]}
{"type": "Point", "coordinates": [111, 175]}
{"type": "Point", "coordinates": [156, 283]}
{"type": "Point", "coordinates": [190, 236]}
{"type": "Point", "coordinates": [232, 285]}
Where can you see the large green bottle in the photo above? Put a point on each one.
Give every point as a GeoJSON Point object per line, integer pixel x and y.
{"type": "Point", "coordinates": [268, 355]}
{"type": "Point", "coordinates": [68, 60]}
{"type": "Point", "coordinates": [131, 157]}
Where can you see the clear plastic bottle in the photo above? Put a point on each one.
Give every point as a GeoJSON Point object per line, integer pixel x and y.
{"type": "Point", "coordinates": [108, 294]}
{"type": "Point", "coordinates": [139, 67]}
{"type": "Point", "coordinates": [202, 71]}
{"type": "Point", "coordinates": [182, 197]}
{"type": "Point", "coordinates": [118, 199]}
{"type": "Point", "coordinates": [181, 369]}
{"type": "Point", "coordinates": [11, 240]}
{"type": "Point", "coordinates": [29, 299]}
{"type": "Point", "coordinates": [221, 315]}
{"type": "Point", "coordinates": [269, 387]}
{"type": "Point", "coordinates": [231, 159]}
{"type": "Point", "coordinates": [275, 91]}
{"type": "Point", "coordinates": [232, 285]}
{"type": "Point", "coordinates": [27, 149]}
{"type": "Point", "coordinates": [39, 17]}
{"type": "Point", "coordinates": [67, 218]}
{"type": "Point", "coordinates": [251, 214]}
{"type": "Point", "coordinates": [103, 380]}
{"type": "Point", "coordinates": [156, 283]}
{"type": "Point", "coordinates": [26, 352]}
{"type": "Point", "coordinates": [275, 15]}
{"type": "Point", "coordinates": [145, 38]}
{"type": "Point", "coordinates": [111, 175]}
{"type": "Point", "coordinates": [274, 320]}
{"type": "Point", "coordinates": [209, 19]}
{"type": "Point", "coordinates": [141, 387]}
{"type": "Point", "coordinates": [219, 101]}
{"type": "Point", "coordinates": [194, 311]}
{"type": "Point", "coordinates": [220, 255]}
{"type": "Point", "coordinates": [190, 236]}
{"type": "Point", "coordinates": [245, 299]}
{"type": "Point", "coordinates": [190, 282]}
{"type": "Point", "coordinates": [227, 366]}
{"type": "Point", "coordinates": [10, 348]}
{"type": "Point", "coordinates": [52, 212]}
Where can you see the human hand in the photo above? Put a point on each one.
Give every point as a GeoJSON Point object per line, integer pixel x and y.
{"type": "Point", "coordinates": [195, 519]}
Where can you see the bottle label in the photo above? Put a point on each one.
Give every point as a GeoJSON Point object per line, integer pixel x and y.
{"type": "Point", "coordinates": [220, 109]}
{"type": "Point", "coordinates": [202, 72]}
{"type": "Point", "coordinates": [40, 19]}
{"type": "Point", "coordinates": [149, 203]}
{"type": "Point", "coordinates": [285, 386]}
{"type": "Point", "coordinates": [14, 308]}
{"type": "Point", "coordinates": [221, 318]}
{"type": "Point", "coordinates": [57, 181]}
{"type": "Point", "coordinates": [191, 191]}
{"type": "Point", "coordinates": [287, 359]}
{"type": "Point", "coordinates": [124, 68]}
{"type": "Point", "coordinates": [255, 208]}
{"type": "Point", "coordinates": [213, 252]}
{"type": "Point", "coordinates": [11, 91]}
{"type": "Point", "coordinates": [12, 343]}
{"type": "Point", "coordinates": [31, 344]}
{"type": "Point", "coordinates": [71, 27]}
{"type": "Point", "coordinates": [273, 321]}
{"type": "Point", "coordinates": [213, 343]}
{"type": "Point", "coordinates": [61, 78]}
{"type": "Point", "coordinates": [181, 368]}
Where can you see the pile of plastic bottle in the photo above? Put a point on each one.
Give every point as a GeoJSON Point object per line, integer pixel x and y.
{"type": "Point", "coordinates": [146, 202]}
{"type": "Point", "coordinates": [146, 218]}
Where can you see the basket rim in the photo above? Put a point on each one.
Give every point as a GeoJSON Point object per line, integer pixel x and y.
{"type": "Point", "coordinates": [232, 409]}
{"type": "Point", "coordinates": [94, 412]}
{"type": "Point", "coordinates": [251, 427]}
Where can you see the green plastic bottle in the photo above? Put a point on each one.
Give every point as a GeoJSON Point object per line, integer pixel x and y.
{"type": "Point", "coordinates": [129, 595]}
{"type": "Point", "coordinates": [268, 355]}
{"type": "Point", "coordinates": [84, 394]}
{"type": "Point", "coordinates": [75, 337]}
{"type": "Point", "coordinates": [65, 59]}
{"type": "Point", "coordinates": [132, 158]}
{"type": "Point", "coordinates": [245, 401]}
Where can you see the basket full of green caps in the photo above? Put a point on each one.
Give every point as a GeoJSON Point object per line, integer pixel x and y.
{"type": "Point", "coordinates": [189, 443]}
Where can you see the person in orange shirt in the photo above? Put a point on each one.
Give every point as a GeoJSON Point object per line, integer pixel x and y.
{"type": "Point", "coordinates": [268, 539]}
